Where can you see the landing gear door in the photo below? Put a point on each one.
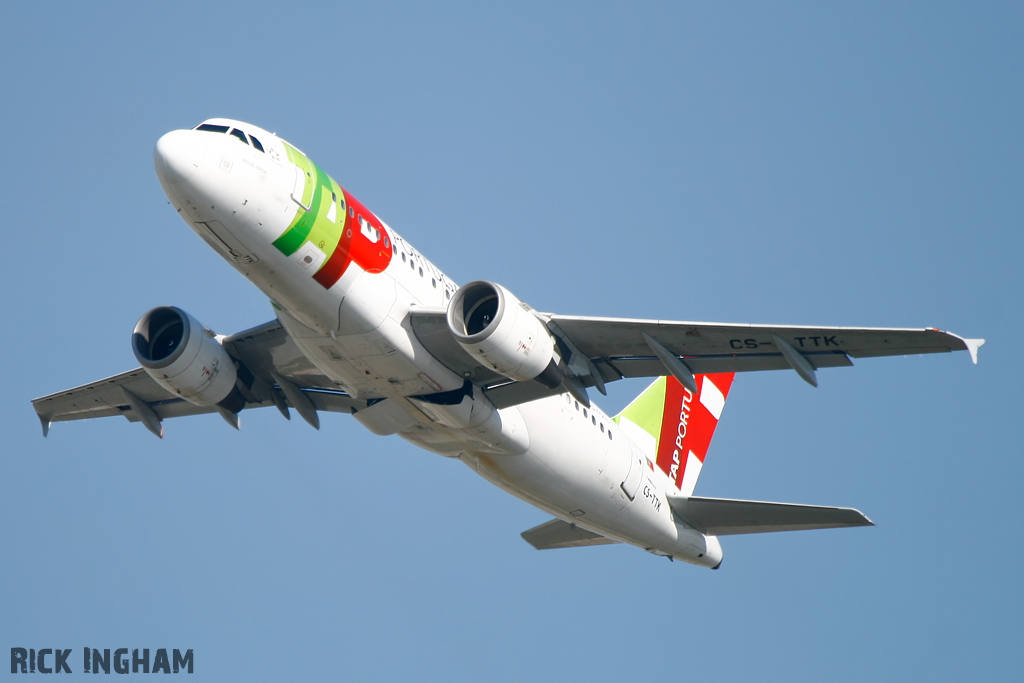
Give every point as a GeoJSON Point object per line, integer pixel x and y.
{"type": "Point", "coordinates": [636, 472]}
{"type": "Point", "coordinates": [226, 243]}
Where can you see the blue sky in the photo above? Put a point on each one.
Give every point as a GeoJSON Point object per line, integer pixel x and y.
{"type": "Point", "coordinates": [814, 163]}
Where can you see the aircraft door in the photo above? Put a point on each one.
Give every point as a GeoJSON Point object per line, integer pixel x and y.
{"type": "Point", "coordinates": [631, 483]}
{"type": "Point", "coordinates": [302, 192]}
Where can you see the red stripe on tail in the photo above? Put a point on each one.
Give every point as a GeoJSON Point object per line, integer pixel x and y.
{"type": "Point", "coordinates": [688, 424]}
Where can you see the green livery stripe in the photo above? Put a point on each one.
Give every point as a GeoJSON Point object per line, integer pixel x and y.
{"type": "Point", "coordinates": [324, 232]}
{"type": "Point", "coordinates": [648, 409]}
{"type": "Point", "coordinates": [328, 225]}
{"type": "Point", "coordinates": [302, 225]}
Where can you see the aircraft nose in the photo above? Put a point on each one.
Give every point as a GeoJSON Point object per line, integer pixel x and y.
{"type": "Point", "coordinates": [178, 155]}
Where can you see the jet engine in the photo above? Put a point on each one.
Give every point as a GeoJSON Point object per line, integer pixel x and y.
{"type": "Point", "coordinates": [502, 333]}
{"type": "Point", "coordinates": [184, 357]}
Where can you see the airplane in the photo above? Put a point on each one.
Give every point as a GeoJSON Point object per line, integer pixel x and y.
{"type": "Point", "coordinates": [366, 325]}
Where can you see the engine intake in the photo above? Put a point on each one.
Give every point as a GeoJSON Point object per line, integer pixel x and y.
{"type": "Point", "coordinates": [183, 357]}
{"type": "Point", "coordinates": [502, 333]}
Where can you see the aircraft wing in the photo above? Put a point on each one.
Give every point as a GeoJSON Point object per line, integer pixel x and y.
{"type": "Point", "coordinates": [600, 350]}
{"type": "Point", "coordinates": [720, 347]}
{"type": "Point", "coordinates": [259, 352]}
{"type": "Point", "coordinates": [724, 516]}
{"type": "Point", "coordinates": [561, 534]}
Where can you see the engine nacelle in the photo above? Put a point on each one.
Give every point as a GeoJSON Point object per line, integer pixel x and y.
{"type": "Point", "coordinates": [184, 358]}
{"type": "Point", "coordinates": [501, 332]}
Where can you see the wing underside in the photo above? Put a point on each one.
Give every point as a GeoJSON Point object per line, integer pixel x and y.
{"type": "Point", "coordinates": [260, 352]}
{"type": "Point", "coordinates": [608, 349]}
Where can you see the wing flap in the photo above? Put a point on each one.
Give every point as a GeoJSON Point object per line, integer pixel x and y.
{"type": "Point", "coordinates": [711, 365]}
{"type": "Point", "coordinates": [561, 534]}
{"type": "Point", "coordinates": [724, 516]}
{"type": "Point", "coordinates": [515, 393]}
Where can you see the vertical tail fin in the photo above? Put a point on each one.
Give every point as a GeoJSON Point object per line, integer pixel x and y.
{"type": "Point", "coordinates": [674, 427]}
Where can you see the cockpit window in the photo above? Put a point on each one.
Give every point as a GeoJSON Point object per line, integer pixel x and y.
{"type": "Point", "coordinates": [240, 135]}
{"type": "Point", "coordinates": [256, 143]}
{"type": "Point", "coordinates": [211, 128]}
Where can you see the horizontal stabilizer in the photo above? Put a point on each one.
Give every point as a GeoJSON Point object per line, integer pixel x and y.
{"type": "Point", "coordinates": [723, 516]}
{"type": "Point", "coordinates": [560, 534]}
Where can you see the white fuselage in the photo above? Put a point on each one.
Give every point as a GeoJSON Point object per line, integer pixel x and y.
{"type": "Point", "coordinates": [553, 453]}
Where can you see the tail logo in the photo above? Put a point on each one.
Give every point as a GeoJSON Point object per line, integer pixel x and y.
{"type": "Point", "coordinates": [688, 426]}
{"type": "Point", "coordinates": [674, 427]}
{"type": "Point", "coordinates": [684, 416]}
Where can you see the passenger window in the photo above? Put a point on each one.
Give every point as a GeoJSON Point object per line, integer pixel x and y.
{"type": "Point", "coordinates": [211, 128]}
{"type": "Point", "coordinates": [403, 257]}
{"type": "Point", "coordinates": [256, 143]}
{"type": "Point", "coordinates": [240, 135]}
